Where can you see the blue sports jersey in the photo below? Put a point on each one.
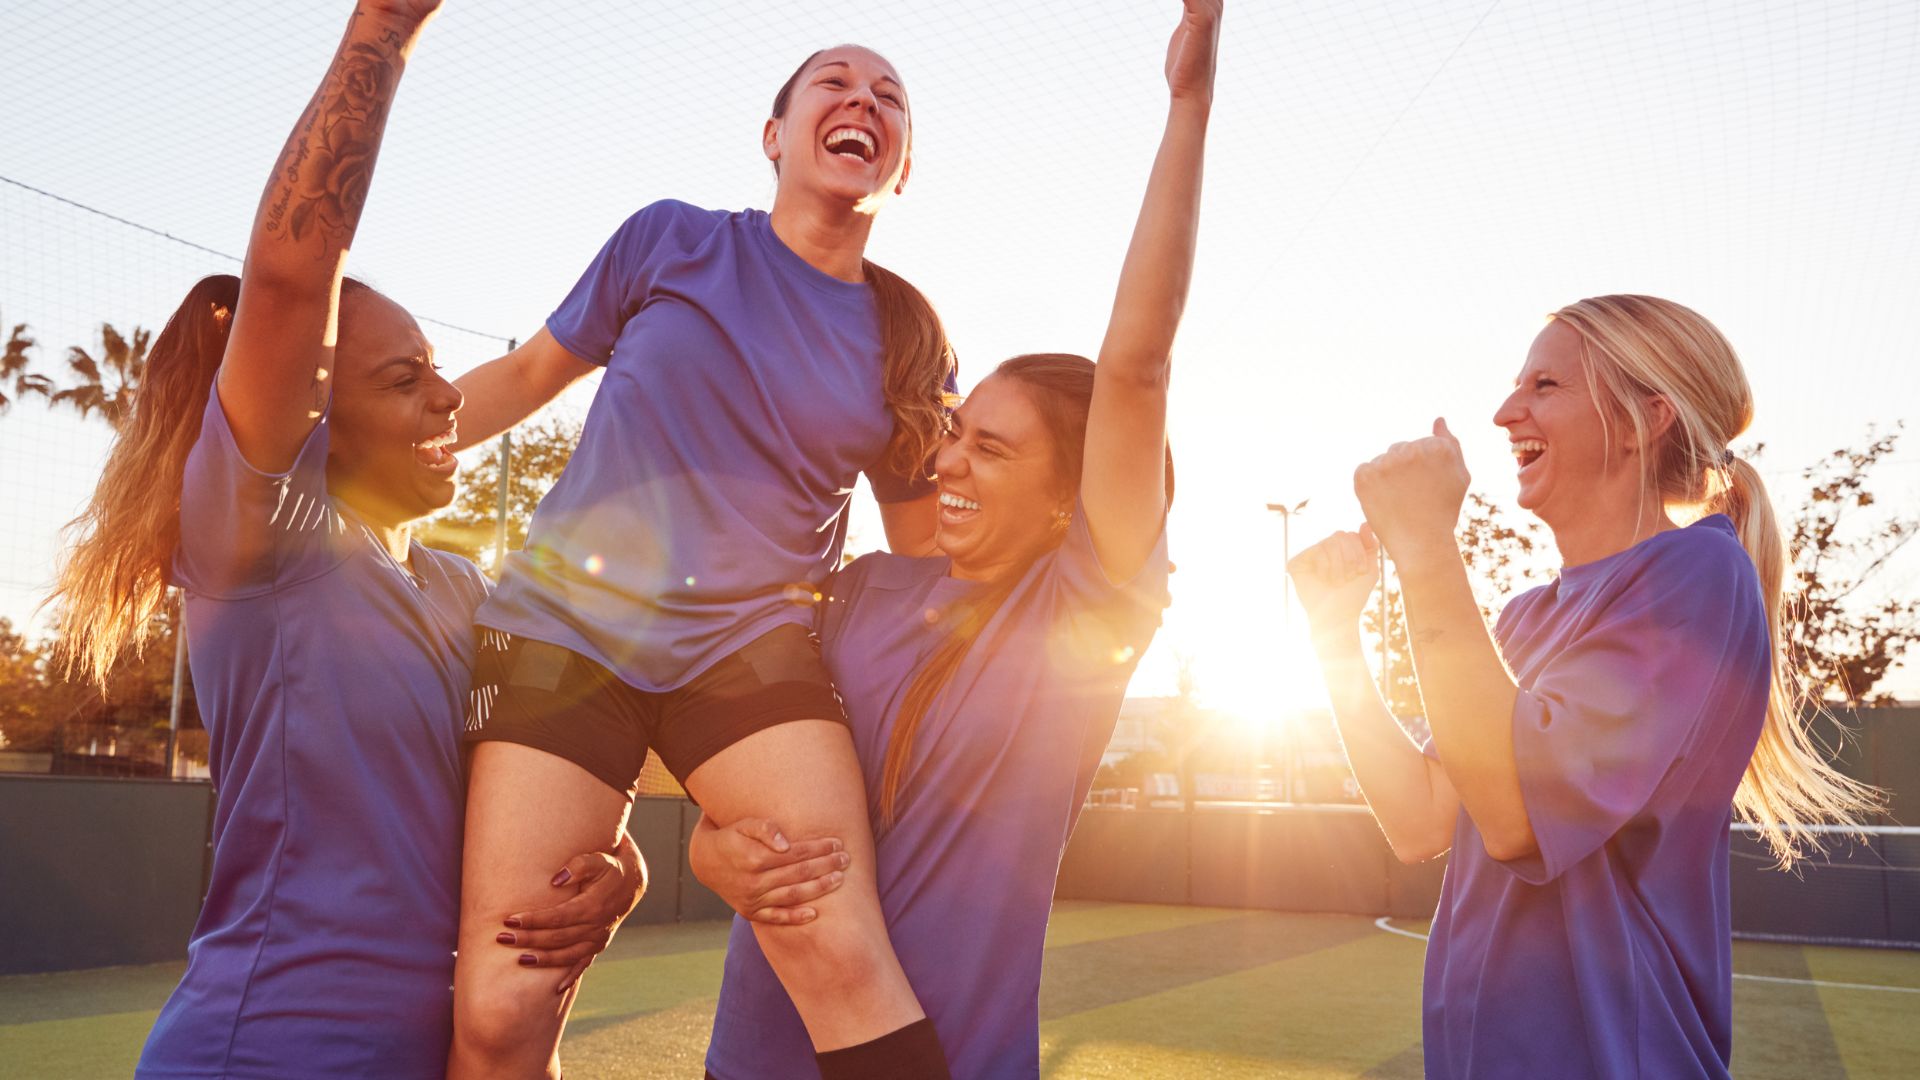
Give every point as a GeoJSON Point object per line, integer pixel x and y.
{"type": "Point", "coordinates": [331, 679]}
{"type": "Point", "coordinates": [999, 772]}
{"type": "Point", "coordinates": [1643, 681]}
{"type": "Point", "coordinates": [707, 499]}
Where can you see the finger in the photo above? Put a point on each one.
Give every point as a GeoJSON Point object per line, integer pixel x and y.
{"type": "Point", "coordinates": [801, 851]}
{"type": "Point", "coordinates": [806, 892]}
{"type": "Point", "coordinates": [1440, 428]}
{"type": "Point", "coordinates": [583, 868]}
{"type": "Point", "coordinates": [774, 916]}
{"type": "Point", "coordinates": [579, 909]}
{"type": "Point", "coordinates": [764, 831]}
{"type": "Point", "coordinates": [561, 937]}
{"type": "Point", "coordinates": [573, 975]}
{"type": "Point", "coordinates": [1336, 567]}
{"type": "Point", "coordinates": [1369, 541]}
{"type": "Point", "coordinates": [813, 870]}
{"type": "Point", "coordinates": [558, 958]}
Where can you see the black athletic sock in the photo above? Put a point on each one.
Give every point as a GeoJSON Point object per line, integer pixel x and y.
{"type": "Point", "coordinates": [911, 1053]}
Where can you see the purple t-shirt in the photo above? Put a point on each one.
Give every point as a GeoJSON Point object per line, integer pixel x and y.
{"type": "Point", "coordinates": [1643, 688]}
{"type": "Point", "coordinates": [999, 772]}
{"type": "Point", "coordinates": [331, 679]}
{"type": "Point", "coordinates": [707, 499]}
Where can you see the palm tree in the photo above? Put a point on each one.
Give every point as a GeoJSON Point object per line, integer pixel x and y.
{"type": "Point", "coordinates": [13, 366]}
{"type": "Point", "coordinates": [125, 360]}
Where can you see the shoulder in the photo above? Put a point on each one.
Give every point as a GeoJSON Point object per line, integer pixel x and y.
{"type": "Point", "coordinates": [671, 218]}
{"type": "Point", "coordinates": [886, 571]}
{"type": "Point", "coordinates": [1706, 556]}
{"type": "Point", "coordinates": [462, 572]}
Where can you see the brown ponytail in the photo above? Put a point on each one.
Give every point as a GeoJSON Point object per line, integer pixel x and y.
{"type": "Point", "coordinates": [114, 577]}
{"type": "Point", "coordinates": [1060, 386]}
{"type": "Point", "coordinates": [919, 360]}
{"type": "Point", "coordinates": [113, 580]}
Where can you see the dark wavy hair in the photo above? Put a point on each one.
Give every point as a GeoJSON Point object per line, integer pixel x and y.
{"type": "Point", "coordinates": [1060, 385]}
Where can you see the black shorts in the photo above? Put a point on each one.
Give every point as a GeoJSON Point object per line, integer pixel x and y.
{"type": "Point", "coordinates": [552, 698]}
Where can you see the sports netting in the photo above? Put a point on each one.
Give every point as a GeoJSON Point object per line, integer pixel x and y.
{"type": "Point", "coordinates": [1856, 887]}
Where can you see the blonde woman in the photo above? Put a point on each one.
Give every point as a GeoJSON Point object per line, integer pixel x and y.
{"type": "Point", "coordinates": [1587, 758]}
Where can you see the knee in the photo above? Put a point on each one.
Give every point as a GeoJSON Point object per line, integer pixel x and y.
{"type": "Point", "coordinates": [500, 1019]}
{"type": "Point", "coordinates": [827, 956]}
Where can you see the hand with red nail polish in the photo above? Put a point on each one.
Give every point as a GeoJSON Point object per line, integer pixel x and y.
{"type": "Point", "coordinates": [605, 886]}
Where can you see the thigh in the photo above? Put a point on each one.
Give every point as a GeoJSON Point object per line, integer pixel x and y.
{"type": "Point", "coordinates": [528, 812]}
{"type": "Point", "coordinates": [840, 969]}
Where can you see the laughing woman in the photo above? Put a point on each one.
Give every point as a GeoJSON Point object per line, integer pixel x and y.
{"type": "Point", "coordinates": [290, 425]}
{"type": "Point", "coordinates": [983, 683]}
{"type": "Point", "coordinates": [755, 365]}
{"type": "Point", "coordinates": [1587, 760]}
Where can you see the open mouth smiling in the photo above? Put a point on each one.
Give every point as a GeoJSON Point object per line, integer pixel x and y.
{"type": "Point", "coordinates": [851, 142]}
{"type": "Point", "coordinates": [433, 453]}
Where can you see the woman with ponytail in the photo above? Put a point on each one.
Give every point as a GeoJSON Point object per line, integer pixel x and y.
{"type": "Point", "coordinates": [290, 425]}
{"type": "Point", "coordinates": [756, 364]}
{"type": "Point", "coordinates": [982, 683]}
{"type": "Point", "coordinates": [1588, 758]}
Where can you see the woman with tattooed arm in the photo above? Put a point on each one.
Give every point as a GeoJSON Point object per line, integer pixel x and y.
{"type": "Point", "coordinates": [290, 426]}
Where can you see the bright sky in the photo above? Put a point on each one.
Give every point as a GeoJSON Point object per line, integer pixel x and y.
{"type": "Point", "coordinates": [1397, 192]}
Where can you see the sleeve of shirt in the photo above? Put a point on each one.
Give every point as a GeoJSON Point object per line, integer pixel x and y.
{"type": "Point", "coordinates": [614, 286]}
{"type": "Point", "coordinates": [243, 531]}
{"type": "Point", "coordinates": [1607, 719]}
{"type": "Point", "coordinates": [891, 486]}
{"type": "Point", "coordinates": [1105, 623]}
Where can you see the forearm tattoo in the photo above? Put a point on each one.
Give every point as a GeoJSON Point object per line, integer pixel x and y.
{"type": "Point", "coordinates": [320, 182]}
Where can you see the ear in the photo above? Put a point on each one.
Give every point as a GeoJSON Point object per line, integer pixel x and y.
{"type": "Point", "coordinates": [770, 140]}
{"type": "Point", "coordinates": [906, 170]}
{"type": "Point", "coordinates": [1661, 416]}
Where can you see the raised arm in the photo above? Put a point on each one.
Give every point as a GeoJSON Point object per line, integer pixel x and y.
{"type": "Point", "coordinates": [1123, 479]}
{"type": "Point", "coordinates": [274, 379]}
{"type": "Point", "coordinates": [1409, 793]}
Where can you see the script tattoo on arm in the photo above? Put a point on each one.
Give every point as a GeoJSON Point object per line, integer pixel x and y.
{"type": "Point", "coordinates": [321, 180]}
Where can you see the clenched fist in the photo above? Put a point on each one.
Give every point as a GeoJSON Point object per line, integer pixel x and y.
{"type": "Point", "coordinates": [1412, 493]}
{"type": "Point", "coordinates": [1335, 577]}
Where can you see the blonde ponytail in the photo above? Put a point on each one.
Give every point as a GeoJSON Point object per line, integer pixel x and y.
{"type": "Point", "coordinates": [1637, 347]}
{"type": "Point", "coordinates": [1788, 784]}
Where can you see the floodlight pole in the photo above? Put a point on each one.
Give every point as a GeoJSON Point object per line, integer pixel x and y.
{"type": "Point", "coordinates": [1286, 601]}
{"type": "Point", "coordinates": [506, 480]}
{"type": "Point", "coordinates": [1386, 684]}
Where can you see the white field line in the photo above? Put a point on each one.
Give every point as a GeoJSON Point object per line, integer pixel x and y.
{"type": "Point", "coordinates": [1384, 922]}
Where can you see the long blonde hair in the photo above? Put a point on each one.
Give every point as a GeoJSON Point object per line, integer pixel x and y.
{"type": "Point", "coordinates": [1639, 347]}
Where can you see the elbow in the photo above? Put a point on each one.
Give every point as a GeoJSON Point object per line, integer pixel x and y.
{"type": "Point", "coordinates": [1411, 854]}
{"type": "Point", "coordinates": [1429, 845]}
{"type": "Point", "coordinates": [1507, 845]}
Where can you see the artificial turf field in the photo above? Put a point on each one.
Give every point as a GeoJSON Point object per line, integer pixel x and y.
{"type": "Point", "coordinates": [1130, 990]}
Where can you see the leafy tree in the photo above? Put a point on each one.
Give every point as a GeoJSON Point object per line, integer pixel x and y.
{"type": "Point", "coordinates": [26, 722]}
{"type": "Point", "coordinates": [1842, 539]}
{"type": "Point", "coordinates": [106, 385]}
{"type": "Point", "coordinates": [540, 451]}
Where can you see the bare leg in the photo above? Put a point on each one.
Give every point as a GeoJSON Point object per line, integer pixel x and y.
{"type": "Point", "coordinates": [528, 812]}
{"type": "Point", "coordinates": [839, 969]}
